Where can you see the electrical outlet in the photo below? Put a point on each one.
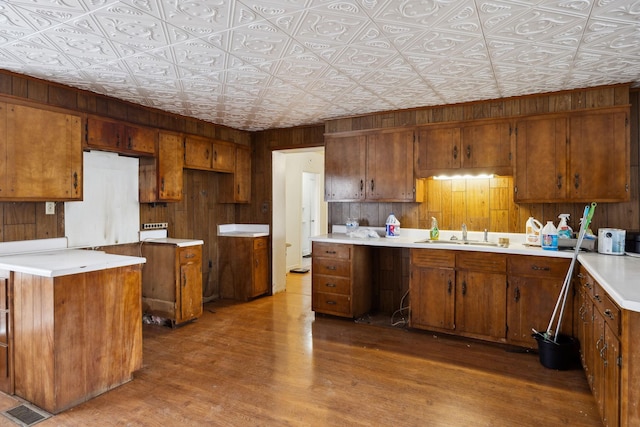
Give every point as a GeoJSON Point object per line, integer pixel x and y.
{"type": "Point", "coordinates": [155, 226]}
{"type": "Point", "coordinates": [50, 208]}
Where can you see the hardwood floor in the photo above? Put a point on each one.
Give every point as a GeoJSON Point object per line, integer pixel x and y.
{"type": "Point", "coordinates": [271, 362]}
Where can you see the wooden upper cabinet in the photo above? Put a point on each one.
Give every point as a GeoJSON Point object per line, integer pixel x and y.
{"type": "Point", "coordinates": [599, 165]}
{"type": "Point", "coordinates": [111, 135]}
{"type": "Point", "coordinates": [41, 154]}
{"type": "Point", "coordinates": [389, 174]}
{"type": "Point", "coordinates": [209, 154]}
{"type": "Point", "coordinates": [161, 177]}
{"type": "Point", "coordinates": [482, 146]}
{"type": "Point", "coordinates": [236, 187]}
{"type": "Point", "coordinates": [345, 166]}
{"type": "Point", "coordinates": [573, 157]}
{"type": "Point", "coordinates": [372, 167]}
{"type": "Point", "coordinates": [541, 159]}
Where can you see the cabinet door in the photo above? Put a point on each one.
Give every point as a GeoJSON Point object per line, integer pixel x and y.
{"type": "Point", "coordinates": [389, 174]}
{"type": "Point", "coordinates": [161, 177]}
{"type": "Point", "coordinates": [345, 162]}
{"type": "Point", "coordinates": [190, 291]}
{"type": "Point", "coordinates": [610, 360]}
{"type": "Point", "coordinates": [197, 153]}
{"type": "Point", "coordinates": [260, 285]}
{"type": "Point", "coordinates": [45, 152]}
{"type": "Point", "coordinates": [104, 134]}
{"type": "Point", "coordinates": [223, 156]}
{"type": "Point", "coordinates": [486, 147]}
{"type": "Point", "coordinates": [432, 297]}
{"type": "Point", "coordinates": [438, 150]}
{"type": "Point", "coordinates": [140, 140]}
{"type": "Point", "coordinates": [599, 157]}
{"type": "Point", "coordinates": [480, 303]}
{"type": "Point", "coordinates": [541, 159]}
{"type": "Point", "coordinates": [236, 187]}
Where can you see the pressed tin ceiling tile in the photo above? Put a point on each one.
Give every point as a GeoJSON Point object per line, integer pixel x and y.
{"type": "Point", "coordinates": [252, 64]}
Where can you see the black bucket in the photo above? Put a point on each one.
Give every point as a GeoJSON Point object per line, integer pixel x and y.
{"type": "Point", "coordinates": [560, 355]}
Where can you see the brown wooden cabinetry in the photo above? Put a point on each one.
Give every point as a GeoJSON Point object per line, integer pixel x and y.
{"type": "Point", "coordinates": [570, 157]}
{"type": "Point", "coordinates": [458, 291]}
{"type": "Point", "coordinates": [209, 154]}
{"type": "Point", "coordinates": [599, 331]}
{"type": "Point", "coordinates": [6, 351]}
{"type": "Point", "coordinates": [341, 281]}
{"type": "Point", "coordinates": [41, 152]}
{"type": "Point", "coordinates": [243, 267]}
{"type": "Point", "coordinates": [123, 138]}
{"type": "Point", "coordinates": [534, 286]}
{"type": "Point", "coordinates": [161, 176]}
{"type": "Point", "coordinates": [75, 336]}
{"type": "Point", "coordinates": [373, 167]}
{"type": "Point", "coordinates": [236, 187]}
{"type": "Point", "coordinates": [470, 147]}
{"type": "Point", "coordinates": [172, 281]}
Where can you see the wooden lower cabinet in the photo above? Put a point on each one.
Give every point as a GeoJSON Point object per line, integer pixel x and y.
{"type": "Point", "coordinates": [172, 281]}
{"type": "Point", "coordinates": [534, 286]}
{"type": "Point", "coordinates": [599, 330]}
{"type": "Point", "coordinates": [341, 279]}
{"type": "Point", "coordinates": [75, 336]}
{"type": "Point", "coordinates": [6, 362]}
{"type": "Point", "coordinates": [458, 292]}
{"type": "Point", "coordinates": [244, 267]}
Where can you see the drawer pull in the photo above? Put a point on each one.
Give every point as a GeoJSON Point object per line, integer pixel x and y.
{"type": "Point", "coordinates": [516, 296]}
{"type": "Point", "coordinates": [330, 252]}
{"type": "Point", "coordinates": [188, 256]}
{"type": "Point", "coordinates": [331, 267]}
{"type": "Point", "coordinates": [538, 268]}
{"type": "Point", "coordinates": [597, 298]}
{"type": "Point", "coordinates": [330, 285]}
{"type": "Point", "coordinates": [609, 314]}
{"type": "Point", "coordinates": [331, 303]}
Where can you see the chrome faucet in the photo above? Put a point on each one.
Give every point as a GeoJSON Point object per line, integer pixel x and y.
{"type": "Point", "coordinates": [486, 235]}
{"type": "Point", "coordinates": [464, 231]}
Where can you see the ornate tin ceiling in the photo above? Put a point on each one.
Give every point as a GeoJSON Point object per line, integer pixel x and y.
{"type": "Point", "coordinates": [258, 64]}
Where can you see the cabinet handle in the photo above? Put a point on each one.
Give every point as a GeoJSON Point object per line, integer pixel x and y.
{"type": "Point", "coordinates": [598, 342]}
{"type": "Point", "coordinates": [361, 185]}
{"type": "Point", "coordinates": [455, 151]}
{"type": "Point", "coordinates": [597, 298]}
{"type": "Point", "coordinates": [118, 140]}
{"type": "Point", "coordinates": [330, 285]}
{"type": "Point", "coordinates": [331, 267]}
{"type": "Point", "coordinates": [580, 276]}
{"type": "Point", "coordinates": [464, 288]}
{"type": "Point", "coordinates": [162, 184]}
{"type": "Point", "coordinates": [603, 354]}
{"type": "Point", "coordinates": [516, 296]}
{"type": "Point", "coordinates": [330, 252]}
{"type": "Point", "coordinates": [331, 303]}
{"type": "Point", "coordinates": [75, 180]}
{"type": "Point", "coordinates": [207, 154]}
{"type": "Point", "coordinates": [372, 185]}
{"type": "Point", "coordinates": [215, 156]}
{"type": "Point", "coordinates": [581, 312]}
{"type": "Point", "coordinates": [129, 144]}
{"type": "Point", "coordinates": [257, 263]}
{"type": "Point", "coordinates": [468, 151]}
{"type": "Point", "coordinates": [576, 181]}
{"type": "Point", "coordinates": [449, 286]}
{"type": "Point", "coordinates": [189, 256]}
{"type": "Point", "coordinates": [609, 314]}
{"type": "Point", "coordinates": [559, 182]}
{"type": "Point", "coordinates": [538, 268]}
{"type": "Point", "coordinates": [238, 188]}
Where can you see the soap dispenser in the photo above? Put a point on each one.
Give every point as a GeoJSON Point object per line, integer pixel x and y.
{"type": "Point", "coordinates": [434, 234]}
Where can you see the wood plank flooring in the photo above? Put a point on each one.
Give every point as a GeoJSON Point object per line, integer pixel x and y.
{"type": "Point", "coordinates": [271, 362]}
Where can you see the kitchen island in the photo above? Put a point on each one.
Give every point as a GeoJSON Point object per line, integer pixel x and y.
{"type": "Point", "coordinates": [77, 324]}
{"type": "Point", "coordinates": [445, 275]}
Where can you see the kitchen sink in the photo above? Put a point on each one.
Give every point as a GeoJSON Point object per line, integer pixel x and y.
{"type": "Point", "coordinates": [459, 242]}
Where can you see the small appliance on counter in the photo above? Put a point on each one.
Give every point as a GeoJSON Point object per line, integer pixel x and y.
{"type": "Point", "coordinates": [632, 243]}
{"type": "Point", "coordinates": [611, 241]}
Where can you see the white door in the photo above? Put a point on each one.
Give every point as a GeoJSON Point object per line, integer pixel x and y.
{"type": "Point", "coordinates": [310, 211]}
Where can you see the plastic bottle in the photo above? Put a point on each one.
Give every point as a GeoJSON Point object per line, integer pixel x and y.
{"type": "Point", "coordinates": [549, 239]}
{"type": "Point", "coordinates": [532, 232]}
{"type": "Point", "coordinates": [564, 231]}
{"type": "Point", "coordinates": [392, 228]}
{"type": "Point", "coordinates": [434, 234]}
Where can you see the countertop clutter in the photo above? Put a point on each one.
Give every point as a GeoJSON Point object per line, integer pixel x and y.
{"type": "Point", "coordinates": [618, 275]}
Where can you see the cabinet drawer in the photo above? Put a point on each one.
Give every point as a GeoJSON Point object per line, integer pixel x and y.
{"type": "Point", "coordinates": [537, 266]}
{"type": "Point", "coordinates": [332, 284]}
{"type": "Point", "coordinates": [482, 261]}
{"type": "Point", "coordinates": [189, 254]}
{"type": "Point", "coordinates": [433, 258]}
{"type": "Point", "coordinates": [609, 310]}
{"type": "Point", "coordinates": [332, 303]}
{"type": "Point", "coordinates": [331, 267]}
{"type": "Point", "coordinates": [329, 250]}
{"type": "Point", "coordinates": [586, 281]}
{"type": "Point", "coordinates": [259, 243]}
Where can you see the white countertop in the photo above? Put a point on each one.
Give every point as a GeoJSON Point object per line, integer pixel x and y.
{"type": "Point", "coordinates": [65, 262]}
{"type": "Point", "coordinates": [243, 230]}
{"type": "Point", "coordinates": [176, 242]}
{"type": "Point", "coordinates": [618, 275]}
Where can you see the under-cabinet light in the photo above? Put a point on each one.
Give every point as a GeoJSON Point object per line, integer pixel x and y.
{"type": "Point", "coordinates": [480, 176]}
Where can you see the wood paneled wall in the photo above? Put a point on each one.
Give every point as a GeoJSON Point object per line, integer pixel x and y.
{"type": "Point", "coordinates": [489, 203]}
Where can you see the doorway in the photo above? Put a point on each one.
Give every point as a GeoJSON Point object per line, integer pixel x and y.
{"type": "Point", "coordinates": [292, 202]}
